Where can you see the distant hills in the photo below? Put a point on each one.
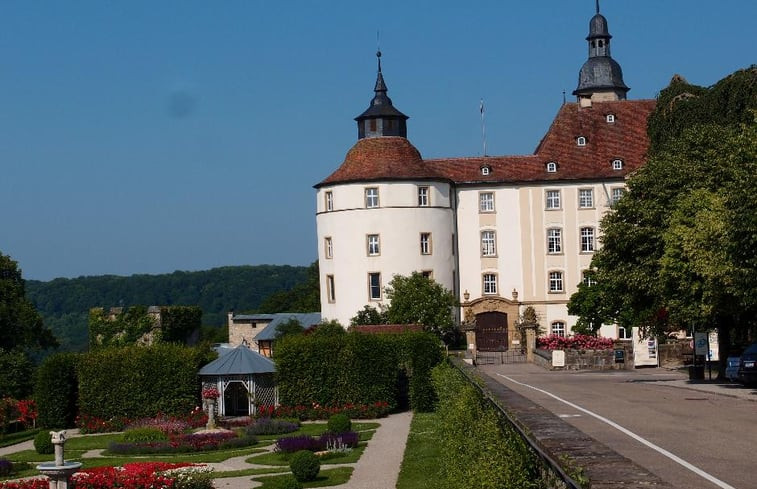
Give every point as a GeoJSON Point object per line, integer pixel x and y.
{"type": "Point", "coordinates": [64, 303]}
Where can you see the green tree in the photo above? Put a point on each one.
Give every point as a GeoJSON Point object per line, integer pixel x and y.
{"type": "Point", "coordinates": [416, 299]}
{"type": "Point", "coordinates": [677, 250]}
{"type": "Point", "coordinates": [368, 315]}
{"type": "Point", "coordinates": [21, 326]}
{"type": "Point", "coordinates": [588, 304]}
{"type": "Point", "coordinates": [329, 328]}
{"type": "Point", "coordinates": [303, 297]}
{"type": "Point", "coordinates": [289, 327]}
{"type": "Point", "coordinates": [16, 373]}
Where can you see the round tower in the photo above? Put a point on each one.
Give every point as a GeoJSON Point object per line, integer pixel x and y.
{"type": "Point", "coordinates": [383, 212]}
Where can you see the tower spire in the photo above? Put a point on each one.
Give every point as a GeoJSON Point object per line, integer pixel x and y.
{"type": "Point", "coordinates": [601, 77]}
{"type": "Point", "coordinates": [381, 118]}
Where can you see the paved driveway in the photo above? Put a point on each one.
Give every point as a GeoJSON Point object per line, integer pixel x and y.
{"type": "Point", "coordinates": [689, 435]}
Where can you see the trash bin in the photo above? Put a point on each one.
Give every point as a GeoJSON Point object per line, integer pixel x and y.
{"type": "Point", "coordinates": [696, 372]}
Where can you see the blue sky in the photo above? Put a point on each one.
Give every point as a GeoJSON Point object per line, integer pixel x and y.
{"type": "Point", "coordinates": [148, 137]}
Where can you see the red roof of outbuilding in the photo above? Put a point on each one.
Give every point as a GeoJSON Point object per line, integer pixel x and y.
{"type": "Point", "coordinates": [392, 158]}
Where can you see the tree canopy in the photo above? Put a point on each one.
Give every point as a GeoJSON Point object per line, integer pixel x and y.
{"type": "Point", "coordinates": [21, 327]}
{"type": "Point", "coordinates": [678, 249]}
{"type": "Point", "coordinates": [416, 299]}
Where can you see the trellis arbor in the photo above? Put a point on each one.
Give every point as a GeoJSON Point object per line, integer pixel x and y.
{"type": "Point", "coordinates": [244, 379]}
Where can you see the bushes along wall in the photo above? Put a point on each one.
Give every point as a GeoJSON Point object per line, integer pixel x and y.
{"type": "Point", "coordinates": [138, 381]}
{"type": "Point", "coordinates": [356, 368]}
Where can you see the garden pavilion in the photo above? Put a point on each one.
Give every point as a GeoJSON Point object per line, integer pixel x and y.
{"type": "Point", "coordinates": [244, 379]}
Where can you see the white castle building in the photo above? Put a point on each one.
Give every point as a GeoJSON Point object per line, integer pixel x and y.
{"type": "Point", "coordinates": [501, 232]}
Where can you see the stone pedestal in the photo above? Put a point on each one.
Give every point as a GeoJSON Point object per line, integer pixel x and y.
{"type": "Point", "coordinates": [211, 425]}
{"type": "Point", "coordinates": [59, 472]}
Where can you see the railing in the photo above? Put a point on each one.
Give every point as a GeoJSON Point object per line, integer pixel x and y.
{"type": "Point", "coordinates": [499, 357]}
{"type": "Point", "coordinates": [547, 461]}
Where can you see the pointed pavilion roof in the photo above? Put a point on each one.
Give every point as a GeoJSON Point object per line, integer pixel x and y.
{"type": "Point", "coordinates": [239, 361]}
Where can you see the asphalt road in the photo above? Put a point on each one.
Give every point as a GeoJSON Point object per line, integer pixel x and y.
{"type": "Point", "coordinates": [692, 439]}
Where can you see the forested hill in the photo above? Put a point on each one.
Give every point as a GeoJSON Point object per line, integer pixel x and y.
{"type": "Point", "coordinates": [64, 303]}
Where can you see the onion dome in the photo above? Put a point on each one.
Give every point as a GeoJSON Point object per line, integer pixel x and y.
{"type": "Point", "coordinates": [600, 73]}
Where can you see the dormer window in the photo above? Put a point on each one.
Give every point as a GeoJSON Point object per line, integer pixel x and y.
{"type": "Point", "coordinates": [610, 118]}
{"type": "Point", "coordinates": [486, 170]}
{"type": "Point", "coordinates": [581, 141]}
{"type": "Point", "coordinates": [551, 167]}
{"type": "Point", "coordinates": [617, 164]}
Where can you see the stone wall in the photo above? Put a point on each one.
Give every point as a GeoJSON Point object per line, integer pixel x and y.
{"type": "Point", "coordinates": [588, 359]}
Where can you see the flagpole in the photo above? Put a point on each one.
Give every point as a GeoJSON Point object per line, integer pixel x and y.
{"type": "Point", "coordinates": [483, 125]}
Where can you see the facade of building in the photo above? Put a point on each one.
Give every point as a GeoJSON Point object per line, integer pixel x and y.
{"type": "Point", "coordinates": [258, 331]}
{"type": "Point", "coordinates": [501, 232]}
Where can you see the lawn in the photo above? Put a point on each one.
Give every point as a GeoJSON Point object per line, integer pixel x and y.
{"type": "Point", "coordinates": [420, 465]}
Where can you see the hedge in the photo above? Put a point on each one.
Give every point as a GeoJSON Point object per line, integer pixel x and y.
{"type": "Point", "coordinates": [138, 381]}
{"type": "Point", "coordinates": [356, 368]}
{"type": "Point", "coordinates": [478, 447]}
{"type": "Point", "coordinates": [56, 391]}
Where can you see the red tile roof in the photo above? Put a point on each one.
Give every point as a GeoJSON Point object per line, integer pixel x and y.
{"type": "Point", "coordinates": [392, 158]}
{"type": "Point", "coordinates": [387, 328]}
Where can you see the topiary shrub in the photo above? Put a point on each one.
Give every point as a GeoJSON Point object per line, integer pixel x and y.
{"type": "Point", "coordinates": [305, 465]}
{"type": "Point", "coordinates": [144, 435]}
{"type": "Point", "coordinates": [339, 423]}
{"type": "Point", "coordinates": [288, 482]}
{"type": "Point", "coordinates": [43, 443]}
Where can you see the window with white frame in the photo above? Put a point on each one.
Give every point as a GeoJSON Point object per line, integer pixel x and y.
{"type": "Point", "coordinates": [581, 141]}
{"type": "Point", "coordinates": [485, 170]}
{"type": "Point", "coordinates": [554, 240]}
{"type": "Point", "coordinates": [329, 197]}
{"type": "Point", "coordinates": [429, 274]}
{"type": "Point", "coordinates": [374, 286]}
{"type": "Point", "coordinates": [488, 243]}
{"type": "Point", "coordinates": [616, 194]}
{"type": "Point", "coordinates": [558, 328]}
{"type": "Point", "coordinates": [330, 292]}
{"type": "Point", "coordinates": [617, 164]}
{"type": "Point", "coordinates": [585, 198]}
{"type": "Point", "coordinates": [587, 240]}
{"type": "Point", "coordinates": [490, 283]}
{"type": "Point", "coordinates": [587, 277]}
{"type": "Point", "coordinates": [610, 118]}
{"type": "Point", "coordinates": [328, 247]}
{"type": "Point", "coordinates": [551, 167]}
{"type": "Point", "coordinates": [556, 282]}
{"type": "Point", "coordinates": [423, 196]}
{"type": "Point", "coordinates": [372, 245]}
{"type": "Point", "coordinates": [486, 202]}
{"type": "Point", "coordinates": [425, 243]}
{"type": "Point", "coordinates": [553, 199]}
{"type": "Point", "coordinates": [371, 197]}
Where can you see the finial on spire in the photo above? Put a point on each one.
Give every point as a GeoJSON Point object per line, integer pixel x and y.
{"type": "Point", "coordinates": [597, 6]}
{"type": "Point", "coordinates": [378, 56]}
{"type": "Point", "coordinates": [378, 49]}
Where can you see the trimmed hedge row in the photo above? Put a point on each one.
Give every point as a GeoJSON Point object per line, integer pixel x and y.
{"type": "Point", "coordinates": [137, 381]}
{"type": "Point", "coordinates": [357, 368]}
{"type": "Point", "coordinates": [478, 447]}
{"type": "Point", "coordinates": [56, 391]}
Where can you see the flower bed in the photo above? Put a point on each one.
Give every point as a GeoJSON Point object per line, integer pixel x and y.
{"type": "Point", "coordinates": [269, 426]}
{"type": "Point", "coordinates": [577, 342]}
{"type": "Point", "coordinates": [292, 444]}
{"type": "Point", "coordinates": [316, 411]}
{"type": "Point", "coordinates": [143, 475]}
{"type": "Point", "coordinates": [92, 424]}
{"type": "Point", "coordinates": [188, 442]}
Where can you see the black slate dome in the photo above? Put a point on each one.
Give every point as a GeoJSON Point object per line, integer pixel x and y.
{"type": "Point", "coordinates": [598, 27]}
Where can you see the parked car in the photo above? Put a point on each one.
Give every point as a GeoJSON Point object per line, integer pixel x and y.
{"type": "Point", "coordinates": [732, 368]}
{"type": "Point", "coordinates": [748, 365]}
